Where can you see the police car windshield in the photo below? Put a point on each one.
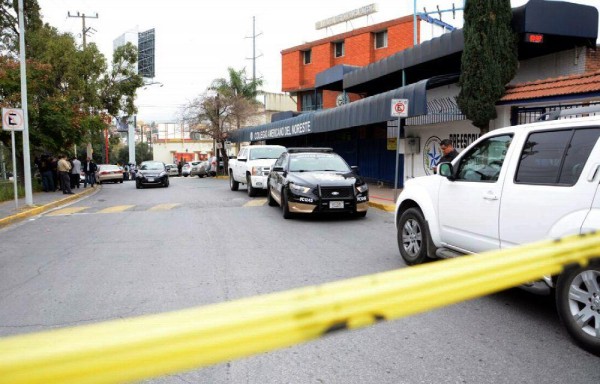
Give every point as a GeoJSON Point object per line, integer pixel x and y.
{"type": "Point", "coordinates": [310, 162]}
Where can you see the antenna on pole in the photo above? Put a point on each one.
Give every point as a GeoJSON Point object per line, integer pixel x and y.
{"type": "Point", "coordinates": [254, 57]}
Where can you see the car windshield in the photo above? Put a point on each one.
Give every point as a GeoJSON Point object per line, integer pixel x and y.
{"type": "Point", "coordinates": [309, 162]}
{"type": "Point", "coordinates": [266, 153]}
{"type": "Point", "coordinates": [152, 167]}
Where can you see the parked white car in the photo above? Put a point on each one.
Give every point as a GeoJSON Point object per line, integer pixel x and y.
{"type": "Point", "coordinates": [513, 186]}
{"type": "Point", "coordinates": [252, 167]}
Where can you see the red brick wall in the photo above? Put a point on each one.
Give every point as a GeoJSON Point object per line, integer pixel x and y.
{"type": "Point", "coordinates": [592, 60]}
{"type": "Point", "coordinates": [290, 71]}
{"type": "Point", "coordinates": [400, 37]}
{"type": "Point", "coordinates": [359, 50]}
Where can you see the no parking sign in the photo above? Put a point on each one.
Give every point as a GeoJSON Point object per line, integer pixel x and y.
{"type": "Point", "coordinates": [399, 108]}
{"type": "Point", "coordinates": [12, 119]}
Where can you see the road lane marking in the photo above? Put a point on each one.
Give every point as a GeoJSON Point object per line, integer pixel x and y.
{"type": "Point", "coordinates": [116, 208]}
{"type": "Point", "coordinates": [164, 207]}
{"type": "Point", "coordinates": [67, 211]}
{"type": "Point", "coordinates": [256, 203]}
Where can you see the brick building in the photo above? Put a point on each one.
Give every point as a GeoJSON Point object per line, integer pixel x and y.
{"type": "Point", "coordinates": [300, 65]}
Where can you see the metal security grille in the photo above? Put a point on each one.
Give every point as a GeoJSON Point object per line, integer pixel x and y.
{"type": "Point", "coordinates": [336, 192]}
{"type": "Point", "coordinates": [525, 115]}
{"type": "Point", "coordinates": [438, 111]}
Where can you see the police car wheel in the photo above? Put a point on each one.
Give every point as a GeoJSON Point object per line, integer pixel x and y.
{"type": "Point", "coordinates": [285, 207]}
{"type": "Point", "coordinates": [578, 304]}
{"type": "Point", "coordinates": [412, 237]}
{"type": "Point", "coordinates": [270, 200]}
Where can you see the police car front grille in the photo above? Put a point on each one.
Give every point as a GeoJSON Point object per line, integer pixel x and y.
{"type": "Point", "coordinates": [337, 192]}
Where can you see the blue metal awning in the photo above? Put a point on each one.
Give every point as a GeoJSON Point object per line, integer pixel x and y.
{"type": "Point", "coordinates": [332, 78]}
{"type": "Point", "coordinates": [370, 110]}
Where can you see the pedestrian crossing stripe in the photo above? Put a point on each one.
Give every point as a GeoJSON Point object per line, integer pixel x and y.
{"type": "Point", "coordinates": [67, 211]}
{"type": "Point", "coordinates": [116, 208]}
{"type": "Point", "coordinates": [256, 203]}
{"type": "Point", "coordinates": [164, 207]}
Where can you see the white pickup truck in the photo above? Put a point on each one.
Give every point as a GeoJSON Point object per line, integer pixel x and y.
{"type": "Point", "coordinates": [252, 167]}
{"type": "Point", "coordinates": [513, 186]}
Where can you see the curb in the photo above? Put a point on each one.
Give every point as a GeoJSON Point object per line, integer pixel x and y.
{"type": "Point", "coordinates": [383, 207]}
{"type": "Point", "coordinates": [33, 211]}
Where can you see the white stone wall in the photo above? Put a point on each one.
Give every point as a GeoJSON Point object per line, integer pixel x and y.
{"type": "Point", "coordinates": [565, 63]}
{"type": "Point", "coordinates": [165, 151]}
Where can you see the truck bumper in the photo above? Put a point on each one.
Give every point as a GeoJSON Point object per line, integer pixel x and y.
{"type": "Point", "coordinates": [259, 181]}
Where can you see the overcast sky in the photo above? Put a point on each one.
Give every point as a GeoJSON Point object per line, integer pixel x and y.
{"type": "Point", "coordinates": [196, 40]}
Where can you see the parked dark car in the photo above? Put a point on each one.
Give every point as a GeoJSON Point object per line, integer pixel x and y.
{"type": "Point", "coordinates": [151, 173]}
{"type": "Point", "coordinates": [316, 180]}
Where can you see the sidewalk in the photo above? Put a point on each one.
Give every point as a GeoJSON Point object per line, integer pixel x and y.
{"type": "Point", "coordinates": [42, 202]}
{"type": "Point", "coordinates": [382, 197]}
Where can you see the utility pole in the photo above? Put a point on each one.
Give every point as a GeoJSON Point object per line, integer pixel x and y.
{"type": "Point", "coordinates": [84, 30]}
{"type": "Point", "coordinates": [254, 57]}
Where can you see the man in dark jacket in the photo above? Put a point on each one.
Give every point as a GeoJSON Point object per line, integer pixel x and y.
{"type": "Point", "coordinates": [89, 168]}
{"type": "Point", "coordinates": [449, 153]}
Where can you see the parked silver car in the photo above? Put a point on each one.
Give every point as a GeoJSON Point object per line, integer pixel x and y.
{"type": "Point", "coordinates": [172, 169]}
{"type": "Point", "coordinates": [199, 169]}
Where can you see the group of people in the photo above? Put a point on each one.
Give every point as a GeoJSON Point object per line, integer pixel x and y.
{"type": "Point", "coordinates": [61, 173]}
{"type": "Point", "coordinates": [129, 171]}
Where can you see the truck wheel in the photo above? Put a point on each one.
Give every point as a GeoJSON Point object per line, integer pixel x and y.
{"type": "Point", "coordinates": [285, 207]}
{"type": "Point", "coordinates": [270, 200]}
{"type": "Point", "coordinates": [412, 237]}
{"type": "Point", "coordinates": [578, 304]}
{"type": "Point", "coordinates": [233, 185]}
{"type": "Point", "coordinates": [251, 190]}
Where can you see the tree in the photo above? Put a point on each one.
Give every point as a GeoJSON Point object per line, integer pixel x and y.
{"type": "Point", "coordinates": [72, 93]}
{"type": "Point", "coordinates": [489, 59]}
{"type": "Point", "coordinates": [226, 105]}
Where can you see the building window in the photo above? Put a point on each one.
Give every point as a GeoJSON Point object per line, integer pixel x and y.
{"type": "Point", "coordinates": [312, 101]}
{"type": "Point", "coordinates": [338, 49]}
{"type": "Point", "coordinates": [306, 55]}
{"type": "Point", "coordinates": [381, 39]}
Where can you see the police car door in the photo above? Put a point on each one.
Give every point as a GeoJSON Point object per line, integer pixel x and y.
{"type": "Point", "coordinates": [551, 192]}
{"type": "Point", "coordinates": [469, 205]}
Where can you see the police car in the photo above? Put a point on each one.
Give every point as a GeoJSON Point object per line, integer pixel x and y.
{"type": "Point", "coordinates": [316, 180]}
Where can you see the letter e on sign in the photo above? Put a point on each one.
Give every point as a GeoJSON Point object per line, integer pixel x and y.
{"type": "Point", "coordinates": [399, 108]}
{"type": "Point", "coordinates": [12, 119]}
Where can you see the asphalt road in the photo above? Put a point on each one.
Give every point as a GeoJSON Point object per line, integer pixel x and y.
{"type": "Point", "coordinates": [125, 252]}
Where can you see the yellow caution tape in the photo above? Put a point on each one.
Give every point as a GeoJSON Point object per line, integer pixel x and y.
{"type": "Point", "coordinates": [139, 348]}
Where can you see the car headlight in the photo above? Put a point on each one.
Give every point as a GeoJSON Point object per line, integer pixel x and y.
{"type": "Point", "coordinates": [162, 174]}
{"type": "Point", "coordinates": [299, 188]}
{"type": "Point", "coordinates": [257, 170]}
{"type": "Point", "coordinates": [362, 188]}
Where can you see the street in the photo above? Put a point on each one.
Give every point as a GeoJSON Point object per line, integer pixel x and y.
{"type": "Point", "coordinates": [124, 252]}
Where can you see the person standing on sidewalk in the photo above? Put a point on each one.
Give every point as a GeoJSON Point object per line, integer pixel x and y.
{"type": "Point", "coordinates": [45, 167]}
{"type": "Point", "coordinates": [75, 171]}
{"type": "Point", "coordinates": [89, 168]}
{"type": "Point", "coordinates": [64, 170]}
